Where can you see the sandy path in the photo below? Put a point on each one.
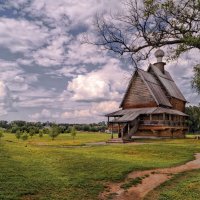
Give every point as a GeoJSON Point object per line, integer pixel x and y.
{"type": "Point", "coordinates": [155, 178]}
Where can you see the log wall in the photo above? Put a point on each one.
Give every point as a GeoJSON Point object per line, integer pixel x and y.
{"type": "Point", "coordinates": [178, 104]}
{"type": "Point", "coordinates": [138, 95]}
{"type": "Point", "coordinates": [168, 133]}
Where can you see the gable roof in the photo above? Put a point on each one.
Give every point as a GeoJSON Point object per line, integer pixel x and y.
{"type": "Point", "coordinates": [153, 86]}
{"type": "Point", "coordinates": [168, 83]}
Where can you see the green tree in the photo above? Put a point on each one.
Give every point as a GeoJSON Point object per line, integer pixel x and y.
{"type": "Point", "coordinates": [46, 131]}
{"type": "Point", "coordinates": [54, 132]}
{"type": "Point", "coordinates": [62, 128]}
{"type": "Point", "coordinates": [14, 128]}
{"type": "Point", "coordinates": [32, 132]}
{"type": "Point", "coordinates": [194, 118]}
{"type": "Point", "coordinates": [94, 129]}
{"type": "Point", "coordinates": [41, 132]}
{"type": "Point", "coordinates": [4, 124]}
{"type": "Point", "coordinates": [86, 127]}
{"type": "Point", "coordinates": [18, 134]}
{"type": "Point", "coordinates": [73, 132]}
{"type": "Point", "coordinates": [68, 130]}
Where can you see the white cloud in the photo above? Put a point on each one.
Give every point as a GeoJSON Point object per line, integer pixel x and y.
{"type": "Point", "coordinates": [42, 116]}
{"type": "Point", "coordinates": [89, 87]}
{"type": "Point", "coordinates": [74, 11]}
{"type": "Point", "coordinates": [54, 53]}
{"type": "Point", "coordinates": [105, 83]}
{"type": "Point", "coordinates": [94, 113]}
{"type": "Point", "coordinates": [85, 54]}
{"type": "Point", "coordinates": [21, 35]}
{"type": "Point", "coordinates": [36, 97]}
{"type": "Point", "coordinates": [105, 107]}
{"type": "Point", "coordinates": [77, 114]}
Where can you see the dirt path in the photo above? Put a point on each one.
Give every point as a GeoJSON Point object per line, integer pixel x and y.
{"type": "Point", "coordinates": [150, 179]}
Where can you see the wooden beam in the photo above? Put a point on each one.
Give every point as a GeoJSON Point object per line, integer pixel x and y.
{"type": "Point", "coordinates": [112, 131]}
{"type": "Point", "coordinates": [164, 116]}
{"type": "Point", "coordinates": [128, 128]}
{"type": "Point", "coordinates": [118, 130]}
{"type": "Point", "coordinates": [122, 132]}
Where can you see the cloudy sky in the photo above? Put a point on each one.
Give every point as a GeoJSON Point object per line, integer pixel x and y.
{"type": "Point", "coordinates": [45, 72]}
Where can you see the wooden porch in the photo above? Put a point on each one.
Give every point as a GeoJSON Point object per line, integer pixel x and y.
{"type": "Point", "coordinates": [153, 124]}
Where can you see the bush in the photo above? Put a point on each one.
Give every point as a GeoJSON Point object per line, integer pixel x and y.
{"type": "Point", "coordinates": [14, 129]}
{"type": "Point", "coordinates": [46, 131]}
{"type": "Point", "coordinates": [24, 136]}
{"type": "Point", "coordinates": [41, 133]}
{"type": "Point", "coordinates": [73, 132]}
{"type": "Point", "coordinates": [18, 134]}
{"type": "Point", "coordinates": [54, 132]}
{"type": "Point", "coordinates": [31, 132]}
{"type": "Point", "coordinates": [68, 130]}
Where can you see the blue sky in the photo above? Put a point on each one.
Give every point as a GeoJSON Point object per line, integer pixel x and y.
{"type": "Point", "coordinates": [45, 72]}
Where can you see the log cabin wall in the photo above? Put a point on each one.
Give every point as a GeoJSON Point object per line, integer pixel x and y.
{"type": "Point", "coordinates": [177, 104]}
{"type": "Point", "coordinates": [165, 133]}
{"type": "Point", "coordinates": [138, 95]}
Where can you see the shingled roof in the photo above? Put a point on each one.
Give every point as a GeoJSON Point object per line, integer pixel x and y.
{"type": "Point", "coordinates": [131, 114]}
{"type": "Point", "coordinates": [168, 83]}
{"type": "Point", "coordinates": [155, 88]}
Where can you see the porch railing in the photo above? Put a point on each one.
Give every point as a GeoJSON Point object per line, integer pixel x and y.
{"type": "Point", "coordinates": [164, 122]}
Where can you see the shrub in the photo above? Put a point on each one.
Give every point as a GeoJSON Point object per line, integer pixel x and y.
{"type": "Point", "coordinates": [41, 133]}
{"type": "Point", "coordinates": [24, 136]}
{"type": "Point", "coordinates": [54, 132]}
{"type": "Point", "coordinates": [73, 132]}
{"type": "Point", "coordinates": [18, 134]}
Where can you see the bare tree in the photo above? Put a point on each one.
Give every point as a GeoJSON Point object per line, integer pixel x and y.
{"type": "Point", "coordinates": [149, 24]}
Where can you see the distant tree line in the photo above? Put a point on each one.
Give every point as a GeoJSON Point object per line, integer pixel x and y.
{"type": "Point", "coordinates": [194, 118]}
{"type": "Point", "coordinates": [37, 127]}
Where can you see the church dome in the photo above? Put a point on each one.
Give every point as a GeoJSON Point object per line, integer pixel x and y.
{"type": "Point", "coordinates": [159, 53]}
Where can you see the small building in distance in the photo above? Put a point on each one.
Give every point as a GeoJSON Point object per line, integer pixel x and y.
{"type": "Point", "coordinates": [152, 105]}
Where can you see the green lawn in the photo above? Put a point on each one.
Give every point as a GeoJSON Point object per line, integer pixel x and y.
{"type": "Point", "coordinates": [184, 186]}
{"type": "Point", "coordinates": [66, 139]}
{"type": "Point", "coordinates": [28, 171]}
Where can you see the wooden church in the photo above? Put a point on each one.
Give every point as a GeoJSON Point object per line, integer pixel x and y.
{"type": "Point", "coordinates": [152, 106]}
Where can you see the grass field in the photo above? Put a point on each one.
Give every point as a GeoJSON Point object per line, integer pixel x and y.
{"type": "Point", "coordinates": [43, 169]}
{"type": "Point", "coordinates": [67, 140]}
{"type": "Point", "coordinates": [184, 186]}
